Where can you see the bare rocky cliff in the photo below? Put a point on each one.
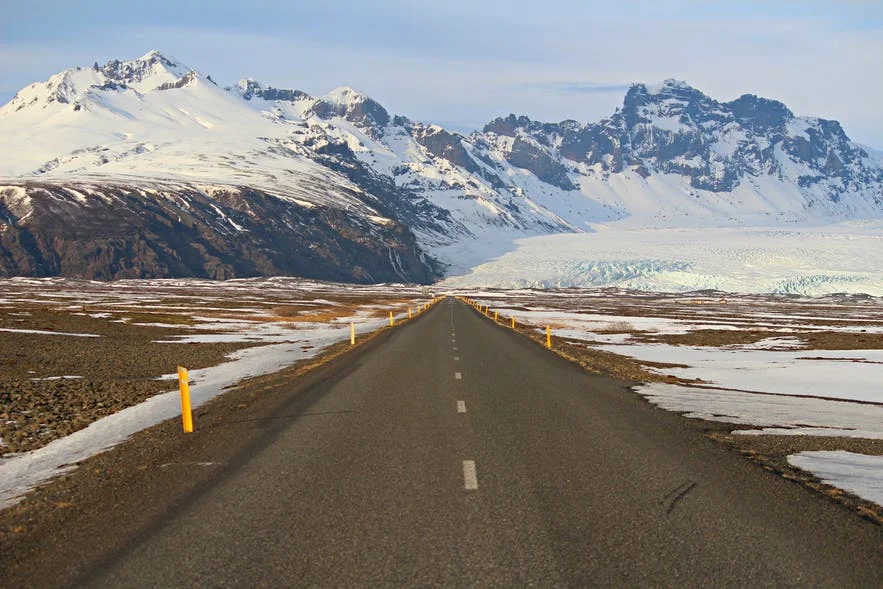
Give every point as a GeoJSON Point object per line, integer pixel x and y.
{"type": "Point", "coordinates": [119, 232]}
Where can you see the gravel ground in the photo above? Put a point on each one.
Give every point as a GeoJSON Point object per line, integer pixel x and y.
{"type": "Point", "coordinates": [771, 453]}
{"type": "Point", "coordinates": [116, 370]}
{"type": "Point", "coordinates": [52, 385]}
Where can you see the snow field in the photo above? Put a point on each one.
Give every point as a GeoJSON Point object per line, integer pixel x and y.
{"type": "Point", "coordinates": [842, 374]}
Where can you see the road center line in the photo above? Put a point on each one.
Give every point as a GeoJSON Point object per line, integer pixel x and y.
{"type": "Point", "coordinates": [458, 376]}
{"type": "Point", "coordinates": [461, 406]}
{"type": "Point", "coordinates": [456, 358]}
{"type": "Point", "coordinates": [470, 479]}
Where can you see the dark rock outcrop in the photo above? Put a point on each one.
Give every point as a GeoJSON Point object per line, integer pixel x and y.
{"type": "Point", "coordinates": [530, 157]}
{"type": "Point", "coordinates": [445, 145]}
{"type": "Point", "coordinates": [180, 82]}
{"type": "Point", "coordinates": [365, 112]}
{"type": "Point", "coordinates": [252, 89]}
{"type": "Point", "coordinates": [127, 233]}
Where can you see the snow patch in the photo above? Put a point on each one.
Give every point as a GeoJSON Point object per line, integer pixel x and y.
{"type": "Point", "coordinates": [44, 332]}
{"type": "Point", "coordinates": [860, 474]}
{"type": "Point", "coordinates": [774, 414]}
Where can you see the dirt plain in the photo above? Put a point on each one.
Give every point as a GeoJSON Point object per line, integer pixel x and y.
{"type": "Point", "coordinates": [72, 352]}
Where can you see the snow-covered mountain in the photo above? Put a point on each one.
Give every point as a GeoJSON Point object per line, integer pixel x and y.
{"type": "Point", "coordinates": [154, 138]}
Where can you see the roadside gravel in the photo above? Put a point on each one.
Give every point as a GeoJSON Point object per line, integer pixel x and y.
{"type": "Point", "coordinates": [53, 385]}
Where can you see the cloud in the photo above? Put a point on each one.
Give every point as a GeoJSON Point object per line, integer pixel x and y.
{"type": "Point", "coordinates": [577, 87]}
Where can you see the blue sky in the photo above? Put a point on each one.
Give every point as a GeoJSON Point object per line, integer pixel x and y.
{"type": "Point", "coordinates": [461, 63]}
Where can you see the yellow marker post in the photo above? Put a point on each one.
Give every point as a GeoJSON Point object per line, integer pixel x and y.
{"type": "Point", "coordinates": [549, 336]}
{"type": "Point", "coordinates": [352, 334]}
{"type": "Point", "coordinates": [496, 314]}
{"type": "Point", "coordinates": [391, 320]}
{"type": "Point", "coordinates": [186, 413]}
{"type": "Point", "coordinates": [409, 312]}
{"type": "Point", "coordinates": [513, 321]}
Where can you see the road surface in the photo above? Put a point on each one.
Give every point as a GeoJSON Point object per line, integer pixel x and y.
{"type": "Point", "coordinates": [452, 452]}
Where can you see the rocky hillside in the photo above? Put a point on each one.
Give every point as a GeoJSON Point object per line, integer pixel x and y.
{"type": "Point", "coordinates": [675, 129]}
{"type": "Point", "coordinates": [108, 232]}
{"type": "Point", "coordinates": [150, 168]}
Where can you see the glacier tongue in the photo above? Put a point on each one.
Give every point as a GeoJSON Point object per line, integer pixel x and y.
{"type": "Point", "coordinates": [806, 261]}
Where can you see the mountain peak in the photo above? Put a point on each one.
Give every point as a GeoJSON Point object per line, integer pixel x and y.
{"type": "Point", "coordinates": [507, 125]}
{"type": "Point", "coordinates": [156, 55]}
{"type": "Point", "coordinates": [248, 87]}
{"type": "Point", "coordinates": [354, 106]}
{"type": "Point", "coordinates": [152, 58]}
{"type": "Point", "coordinates": [640, 94]}
{"type": "Point", "coordinates": [667, 86]}
{"type": "Point", "coordinates": [246, 83]}
{"type": "Point", "coordinates": [345, 96]}
{"type": "Point", "coordinates": [151, 70]}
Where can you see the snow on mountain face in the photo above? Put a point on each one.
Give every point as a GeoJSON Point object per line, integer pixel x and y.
{"type": "Point", "coordinates": [674, 129]}
{"type": "Point", "coordinates": [151, 72]}
{"type": "Point", "coordinates": [670, 157]}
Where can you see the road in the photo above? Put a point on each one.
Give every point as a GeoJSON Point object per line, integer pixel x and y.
{"type": "Point", "coordinates": [454, 453]}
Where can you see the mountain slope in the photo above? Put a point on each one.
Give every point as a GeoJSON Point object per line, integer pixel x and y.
{"type": "Point", "coordinates": [418, 200]}
{"type": "Point", "coordinates": [111, 231]}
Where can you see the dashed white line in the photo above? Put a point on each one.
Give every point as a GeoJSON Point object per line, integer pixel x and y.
{"type": "Point", "coordinates": [456, 358]}
{"type": "Point", "coordinates": [470, 479]}
{"type": "Point", "coordinates": [461, 406]}
{"type": "Point", "coordinates": [456, 349]}
{"type": "Point", "coordinates": [458, 376]}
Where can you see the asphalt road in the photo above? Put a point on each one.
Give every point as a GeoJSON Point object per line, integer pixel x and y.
{"type": "Point", "coordinates": [455, 453]}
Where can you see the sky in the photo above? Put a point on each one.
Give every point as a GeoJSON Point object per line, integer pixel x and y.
{"type": "Point", "coordinates": [461, 63]}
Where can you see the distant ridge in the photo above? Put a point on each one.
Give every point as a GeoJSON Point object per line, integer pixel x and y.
{"type": "Point", "coordinates": [275, 180]}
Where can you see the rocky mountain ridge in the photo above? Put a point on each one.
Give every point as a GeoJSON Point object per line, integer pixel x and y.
{"type": "Point", "coordinates": [676, 129]}
{"type": "Point", "coordinates": [419, 199]}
